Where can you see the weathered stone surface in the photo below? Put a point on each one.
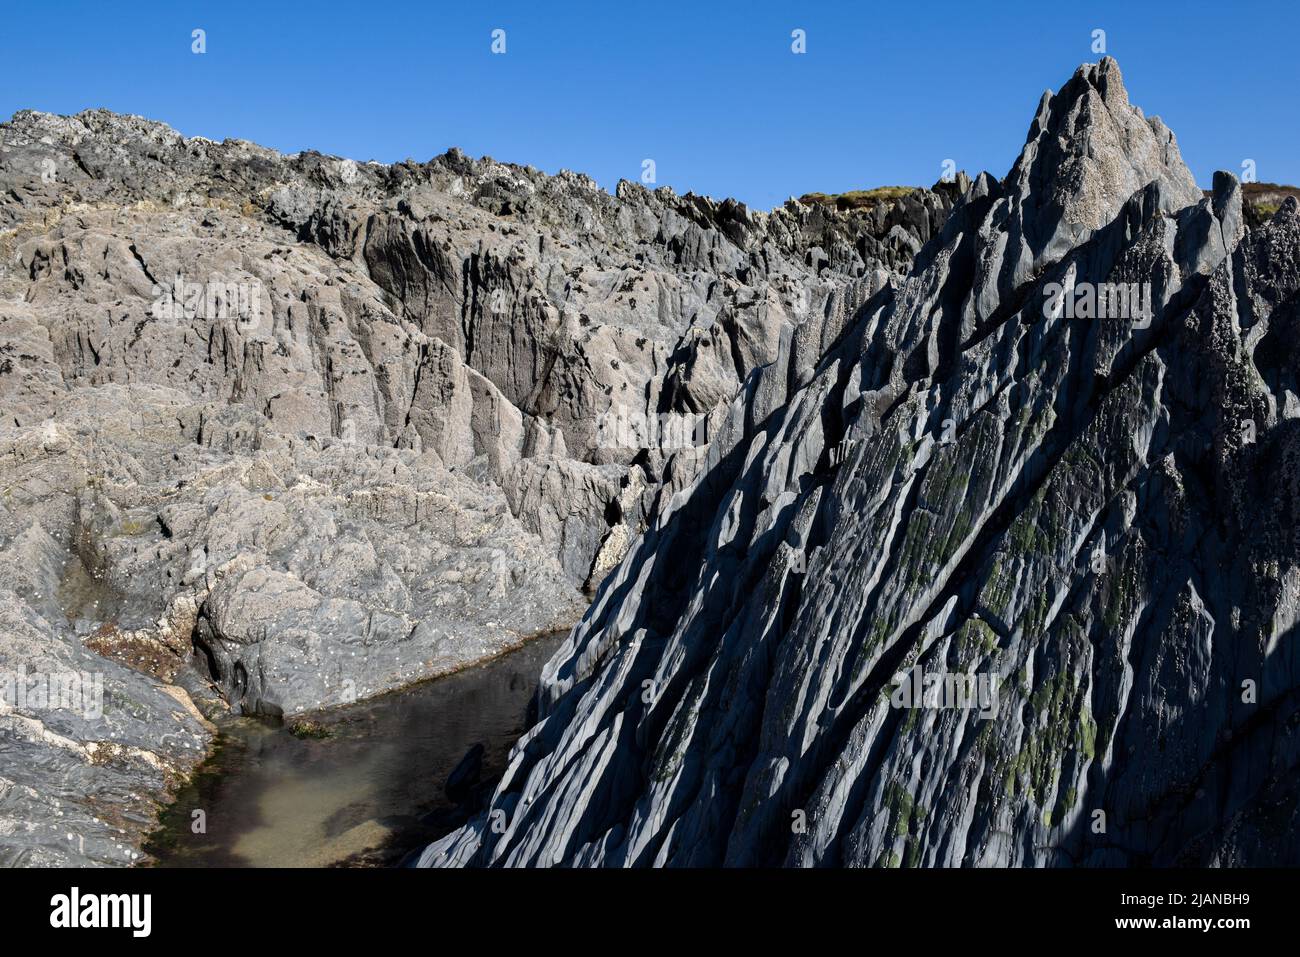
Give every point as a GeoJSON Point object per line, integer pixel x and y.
{"type": "Point", "coordinates": [309, 429]}
{"type": "Point", "coordinates": [84, 739]}
{"type": "Point", "coordinates": [1094, 515]}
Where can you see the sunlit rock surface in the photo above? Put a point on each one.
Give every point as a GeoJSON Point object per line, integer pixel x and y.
{"type": "Point", "coordinates": [301, 430]}
{"type": "Point", "coordinates": [1094, 515]}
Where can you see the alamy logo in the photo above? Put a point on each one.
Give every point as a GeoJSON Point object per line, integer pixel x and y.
{"type": "Point", "coordinates": [1099, 300]}
{"type": "Point", "coordinates": [103, 910]}
{"type": "Point", "coordinates": [80, 691]}
{"type": "Point", "coordinates": [946, 690]}
{"type": "Point", "coordinates": [241, 301]}
{"type": "Point", "coordinates": [623, 428]}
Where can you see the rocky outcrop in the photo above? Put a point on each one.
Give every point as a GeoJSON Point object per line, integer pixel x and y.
{"type": "Point", "coordinates": [309, 429]}
{"type": "Point", "coordinates": [84, 725]}
{"type": "Point", "coordinates": [1052, 467]}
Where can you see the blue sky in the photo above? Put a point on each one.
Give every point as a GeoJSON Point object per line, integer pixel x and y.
{"type": "Point", "coordinates": [710, 91]}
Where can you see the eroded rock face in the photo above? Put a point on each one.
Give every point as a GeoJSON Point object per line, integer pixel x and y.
{"type": "Point", "coordinates": [84, 737]}
{"type": "Point", "coordinates": [314, 429]}
{"type": "Point", "coordinates": [1091, 518]}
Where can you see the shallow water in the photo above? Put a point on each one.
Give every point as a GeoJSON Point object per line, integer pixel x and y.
{"type": "Point", "coordinates": [368, 793]}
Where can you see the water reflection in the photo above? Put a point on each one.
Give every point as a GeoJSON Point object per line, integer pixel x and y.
{"type": "Point", "coordinates": [369, 792]}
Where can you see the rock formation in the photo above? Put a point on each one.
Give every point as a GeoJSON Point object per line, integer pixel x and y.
{"type": "Point", "coordinates": [987, 471]}
{"type": "Point", "coordinates": [307, 429]}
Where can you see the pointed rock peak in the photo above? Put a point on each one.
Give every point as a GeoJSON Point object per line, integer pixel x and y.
{"type": "Point", "coordinates": [1087, 152]}
{"type": "Point", "coordinates": [1105, 77]}
{"type": "Point", "coordinates": [1101, 79]}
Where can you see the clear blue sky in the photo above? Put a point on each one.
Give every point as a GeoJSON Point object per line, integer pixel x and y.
{"type": "Point", "coordinates": [710, 90]}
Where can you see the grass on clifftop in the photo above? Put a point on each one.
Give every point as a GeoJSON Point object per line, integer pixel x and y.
{"type": "Point", "coordinates": [1267, 198]}
{"type": "Point", "coordinates": [1264, 189]}
{"type": "Point", "coordinates": [858, 198]}
{"type": "Point", "coordinates": [1263, 199]}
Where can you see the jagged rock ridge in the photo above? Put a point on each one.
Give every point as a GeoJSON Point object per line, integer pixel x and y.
{"type": "Point", "coordinates": [1095, 516]}
{"type": "Point", "coordinates": [314, 429]}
